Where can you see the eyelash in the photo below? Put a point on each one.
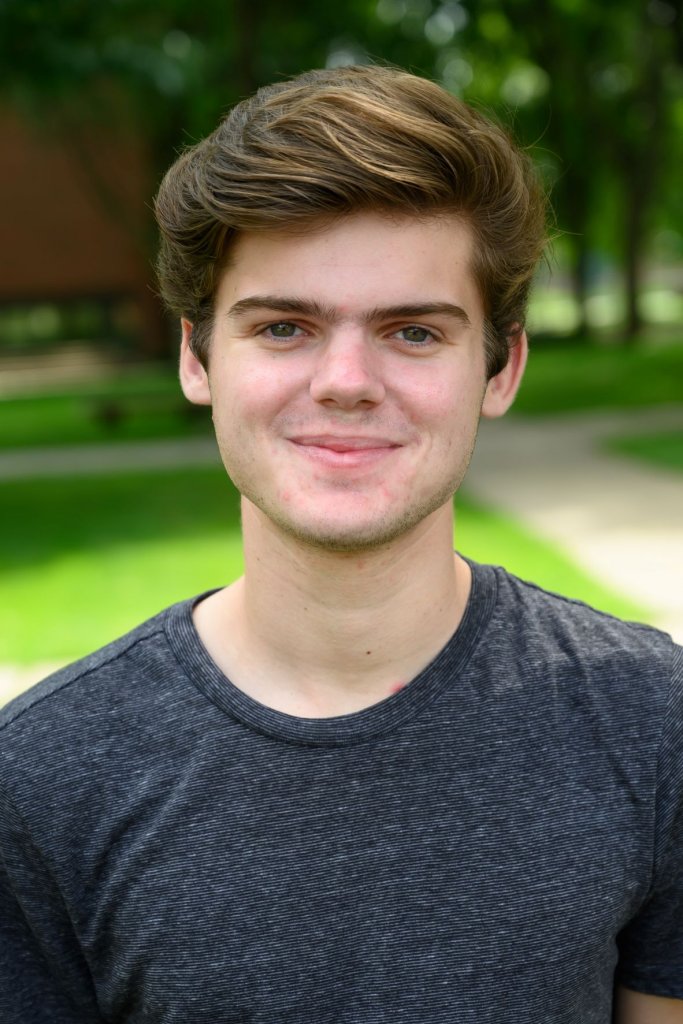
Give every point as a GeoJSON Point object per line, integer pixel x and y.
{"type": "Point", "coordinates": [267, 330]}
{"type": "Point", "coordinates": [430, 339]}
{"type": "Point", "coordinates": [298, 331]}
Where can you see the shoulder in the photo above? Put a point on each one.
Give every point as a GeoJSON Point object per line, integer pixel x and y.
{"type": "Point", "coordinates": [66, 721]}
{"type": "Point", "coordinates": [553, 645]}
{"type": "Point", "coordinates": [79, 675]}
{"type": "Point", "coordinates": [604, 695]}
{"type": "Point", "coordinates": [87, 746]}
{"type": "Point", "coordinates": [551, 622]}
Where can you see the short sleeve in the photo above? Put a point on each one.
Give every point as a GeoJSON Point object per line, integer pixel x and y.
{"type": "Point", "coordinates": [651, 946]}
{"type": "Point", "coordinates": [44, 978]}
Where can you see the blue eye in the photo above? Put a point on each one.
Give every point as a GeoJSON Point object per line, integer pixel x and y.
{"type": "Point", "coordinates": [415, 335]}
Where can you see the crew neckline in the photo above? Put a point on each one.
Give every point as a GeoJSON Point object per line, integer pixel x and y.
{"type": "Point", "coordinates": [357, 726]}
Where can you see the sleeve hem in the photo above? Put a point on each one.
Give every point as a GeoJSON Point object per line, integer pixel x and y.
{"type": "Point", "coordinates": [652, 984]}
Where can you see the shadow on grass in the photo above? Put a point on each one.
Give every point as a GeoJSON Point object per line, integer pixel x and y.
{"type": "Point", "coordinates": [87, 558]}
{"type": "Point", "coordinates": [50, 517]}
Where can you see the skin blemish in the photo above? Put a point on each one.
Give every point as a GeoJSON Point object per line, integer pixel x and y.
{"type": "Point", "coordinates": [368, 652]}
{"type": "Point", "coordinates": [396, 687]}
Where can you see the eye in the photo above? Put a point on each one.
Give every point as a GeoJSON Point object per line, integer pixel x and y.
{"type": "Point", "coordinates": [415, 335]}
{"type": "Point", "coordinates": [283, 329]}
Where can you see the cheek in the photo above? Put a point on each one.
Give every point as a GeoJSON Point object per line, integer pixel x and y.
{"type": "Point", "coordinates": [437, 402]}
{"type": "Point", "coordinates": [448, 413]}
{"type": "Point", "coordinates": [247, 395]}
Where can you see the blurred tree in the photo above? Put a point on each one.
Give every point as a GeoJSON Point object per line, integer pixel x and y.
{"type": "Point", "coordinates": [594, 89]}
{"type": "Point", "coordinates": [642, 148]}
{"type": "Point", "coordinates": [597, 87]}
{"type": "Point", "coordinates": [169, 70]}
{"type": "Point", "coordinates": [164, 73]}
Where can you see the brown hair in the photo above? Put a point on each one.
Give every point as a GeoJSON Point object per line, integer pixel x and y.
{"type": "Point", "coordinates": [334, 142]}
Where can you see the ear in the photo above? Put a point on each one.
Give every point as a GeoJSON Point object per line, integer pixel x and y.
{"type": "Point", "coordinates": [193, 377]}
{"type": "Point", "coordinates": [501, 389]}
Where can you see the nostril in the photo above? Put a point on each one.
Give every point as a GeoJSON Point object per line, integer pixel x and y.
{"type": "Point", "coordinates": [347, 378]}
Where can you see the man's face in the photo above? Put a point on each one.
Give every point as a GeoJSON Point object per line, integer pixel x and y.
{"type": "Point", "coordinates": [347, 375]}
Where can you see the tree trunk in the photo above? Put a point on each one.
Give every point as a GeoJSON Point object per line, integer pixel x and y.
{"type": "Point", "coordinates": [640, 163]}
{"type": "Point", "coordinates": [580, 283]}
{"type": "Point", "coordinates": [574, 213]}
{"type": "Point", "coordinates": [634, 237]}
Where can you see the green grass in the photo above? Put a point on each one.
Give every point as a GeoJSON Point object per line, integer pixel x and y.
{"type": "Point", "coordinates": [660, 450]}
{"type": "Point", "coordinates": [87, 558]}
{"type": "Point", "coordinates": [143, 408]}
{"type": "Point", "coordinates": [563, 377]}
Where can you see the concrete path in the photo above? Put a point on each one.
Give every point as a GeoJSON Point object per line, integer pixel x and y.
{"type": "Point", "coordinates": [618, 518]}
{"type": "Point", "coordinates": [114, 457]}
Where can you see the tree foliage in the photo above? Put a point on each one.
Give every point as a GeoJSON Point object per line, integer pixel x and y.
{"type": "Point", "coordinates": [594, 89]}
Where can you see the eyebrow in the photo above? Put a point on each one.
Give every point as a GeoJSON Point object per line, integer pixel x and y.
{"type": "Point", "coordinates": [309, 307]}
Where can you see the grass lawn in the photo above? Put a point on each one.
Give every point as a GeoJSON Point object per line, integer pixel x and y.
{"type": "Point", "coordinates": [87, 558]}
{"type": "Point", "coordinates": [562, 377]}
{"type": "Point", "coordinates": [661, 450]}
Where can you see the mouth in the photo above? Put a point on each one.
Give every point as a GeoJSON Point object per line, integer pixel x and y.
{"type": "Point", "coordinates": [345, 451]}
{"type": "Point", "coordinates": [344, 444]}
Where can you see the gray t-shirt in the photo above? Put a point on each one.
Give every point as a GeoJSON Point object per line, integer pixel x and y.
{"type": "Point", "coordinates": [496, 842]}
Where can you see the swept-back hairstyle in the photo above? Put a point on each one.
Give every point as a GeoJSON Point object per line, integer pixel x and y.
{"type": "Point", "coordinates": [351, 139]}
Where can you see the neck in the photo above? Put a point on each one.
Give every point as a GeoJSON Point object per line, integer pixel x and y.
{"type": "Point", "coordinates": [315, 632]}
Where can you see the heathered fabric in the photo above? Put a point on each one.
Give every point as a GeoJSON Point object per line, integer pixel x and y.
{"type": "Point", "coordinates": [490, 844]}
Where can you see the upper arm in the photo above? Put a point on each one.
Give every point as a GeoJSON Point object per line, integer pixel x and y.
{"type": "Point", "coordinates": [651, 944]}
{"type": "Point", "coordinates": [637, 1008]}
{"type": "Point", "coordinates": [44, 978]}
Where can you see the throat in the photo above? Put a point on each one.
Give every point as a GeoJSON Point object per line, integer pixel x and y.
{"type": "Point", "coordinates": [317, 660]}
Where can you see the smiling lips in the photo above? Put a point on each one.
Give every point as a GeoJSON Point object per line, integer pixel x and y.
{"type": "Point", "coordinates": [344, 451]}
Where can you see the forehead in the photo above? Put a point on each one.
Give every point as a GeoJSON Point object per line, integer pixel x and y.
{"type": "Point", "coordinates": [355, 261]}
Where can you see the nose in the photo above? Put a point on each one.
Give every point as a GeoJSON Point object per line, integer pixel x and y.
{"type": "Point", "coordinates": [348, 373]}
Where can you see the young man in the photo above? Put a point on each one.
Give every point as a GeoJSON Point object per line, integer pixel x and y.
{"type": "Point", "coordinates": [370, 781]}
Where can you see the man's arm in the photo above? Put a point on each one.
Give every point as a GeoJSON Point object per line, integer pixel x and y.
{"type": "Point", "coordinates": [651, 944]}
{"type": "Point", "coordinates": [44, 978]}
{"type": "Point", "coordinates": [635, 1008]}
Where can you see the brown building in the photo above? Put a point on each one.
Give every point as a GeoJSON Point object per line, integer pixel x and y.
{"type": "Point", "coordinates": [75, 222]}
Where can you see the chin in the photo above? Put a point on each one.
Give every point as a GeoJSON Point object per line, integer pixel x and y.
{"type": "Point", "coordinates": [356, 537]}
{"type": "Point", "coordinates": [346, 542]}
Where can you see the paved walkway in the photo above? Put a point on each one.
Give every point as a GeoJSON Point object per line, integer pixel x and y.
{"type": "Point", "coordinates": [113, 457]}
{"type": "Point", "coordinates": [620, 519]}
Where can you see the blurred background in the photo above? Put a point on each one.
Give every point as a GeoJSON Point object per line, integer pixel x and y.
{"type": "Point", "coordinates": [111, 498]}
